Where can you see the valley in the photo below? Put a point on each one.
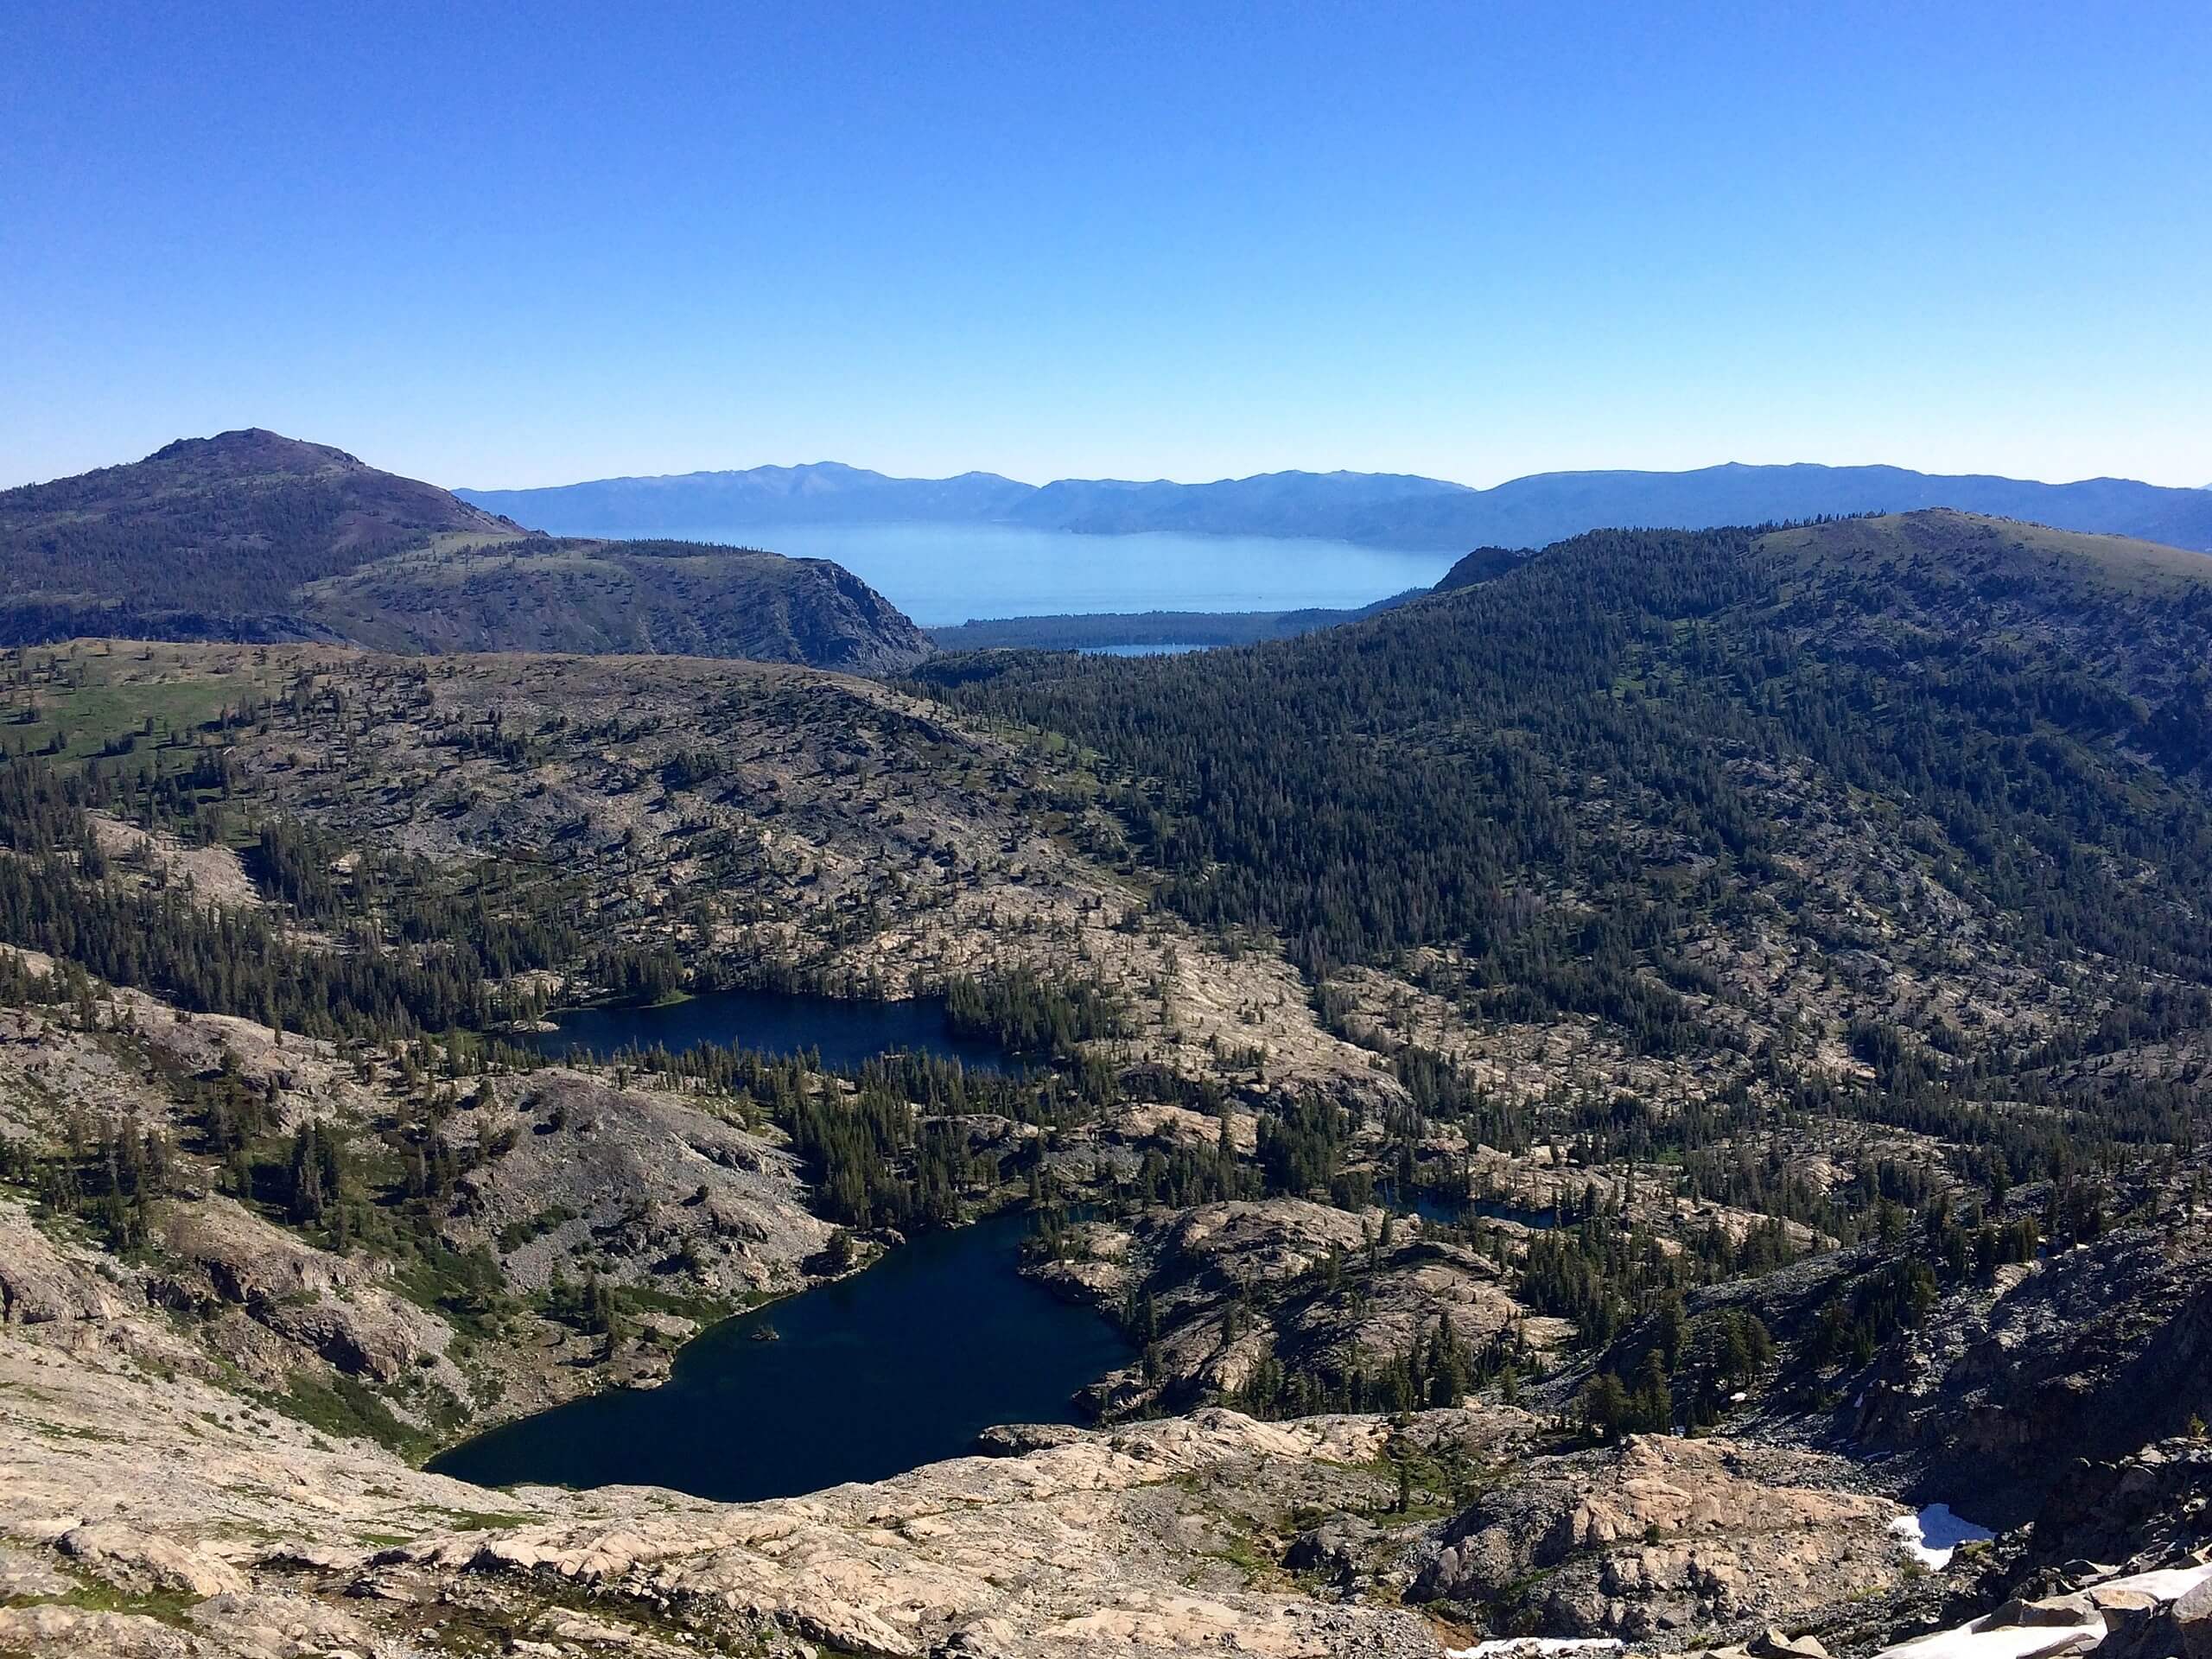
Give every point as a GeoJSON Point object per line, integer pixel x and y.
{"type": "Point", "coordinates": [1562, 1108]}
{"type": "Point", "coordinates": [1464, 914]}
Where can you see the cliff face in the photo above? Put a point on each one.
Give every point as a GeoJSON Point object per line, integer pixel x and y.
{"type": "Point", "coordinates": [2088, 1354]}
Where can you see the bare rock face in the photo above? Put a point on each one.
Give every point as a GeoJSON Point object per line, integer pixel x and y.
{"type": "Point", "coordinates": [24, 1576]}
{"type": "Point", "coordinates": [228, 1255]}
{"type": "Point", "coordinates": [1072, 1549]}
{"type": "Point", "coordinates": [1266, 1239]}
{"type": "Point", "coordinates": [2089, 1353]}
{"type": "Point", "coordinates": [1311, 1287]}
{"type": "Point", "coordinates": [219, 1256]}
{"type": "Point", "coordinates": [1660, 1536]}
{"type": "Point", "coordinates": [139, 1560]}
{"type": "Point", "coordinates": [2158, 1502]}
{"type": "Point", "coordinates": [39, 1286]}
{"type": "Point", "coordinates": [645, 1180]}
{"type": "Point", "coordinates": [54, 1627]}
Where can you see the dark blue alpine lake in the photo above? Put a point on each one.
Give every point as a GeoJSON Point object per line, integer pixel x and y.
{"type": "Point", "coordinates": [845, 1033]}
{"type": "Point", "coordinates": [900, 1365]}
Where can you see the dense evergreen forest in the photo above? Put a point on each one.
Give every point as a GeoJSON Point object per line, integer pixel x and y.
{"type": "Point", "coordinates": [1557, 773]}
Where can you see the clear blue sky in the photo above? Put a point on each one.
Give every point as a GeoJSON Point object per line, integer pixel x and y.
{"type": "Point", "coordinates": [516, 245]}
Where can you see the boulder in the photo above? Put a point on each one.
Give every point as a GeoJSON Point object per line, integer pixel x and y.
{"type": "Point", "coordinates": [2192, 1619]}
{"type": "Point", "coordinates": [2059, 1613]}
{"type": "Point", "coordinates": [1014, 1439]}
{"type": "Point", "coordinates": [1777, 1644]}
{"type": "Point", "coordinates": [141, 1561]}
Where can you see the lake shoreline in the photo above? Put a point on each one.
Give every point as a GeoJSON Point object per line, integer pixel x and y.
{"type": "Point", "coordinates": [943, 574]}
{"type": "Point", "coordinates": [861, 1381]}
{"type": "Point", "coordinates": [844, 1032]}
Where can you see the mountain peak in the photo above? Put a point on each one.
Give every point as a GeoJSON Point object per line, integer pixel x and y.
{"type": "Point", "coordinates": [217, 530]}
{"type": "Point", "coordinates": [255, 448]}
{"type": "Point", "coordinates": [251, 534]}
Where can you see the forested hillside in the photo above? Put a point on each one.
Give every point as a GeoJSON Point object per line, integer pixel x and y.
{"type": "Point", "coordinates": [207, 530]}
{"type": "Point", "coordinates": [647, 598]}
{"type": "Point", "coordinates": [1619, 780]}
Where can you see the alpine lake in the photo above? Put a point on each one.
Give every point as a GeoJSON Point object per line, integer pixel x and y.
{"type": "Point", "coordinates": [900, 1364]}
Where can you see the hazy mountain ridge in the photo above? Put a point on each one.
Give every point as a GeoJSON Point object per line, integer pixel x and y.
{"type": "Point", "coordinates": [821, 491]}
{"type": "Point", "coordinates": [1339, 506]}
{"type": "Point", "coordinates": [252, 535]}
{"type": "Point", "coordinates": [1373, 509]}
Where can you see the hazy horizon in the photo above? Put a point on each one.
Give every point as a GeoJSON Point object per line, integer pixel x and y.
{"type": "Point", "coordinates": [476, 488]}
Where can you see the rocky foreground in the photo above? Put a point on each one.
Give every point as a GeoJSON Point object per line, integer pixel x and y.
{"type": "Point", "coordinates": [208, 1423]}
{"type": "Point", "coordinates": [145, 1510]}
{"type": "Point", "coordinates": [148, 1512]}
{"type": "Point", "coordinates": [148, 1508]}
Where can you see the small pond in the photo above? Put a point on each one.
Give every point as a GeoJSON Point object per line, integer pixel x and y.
{"type": "Point", "coordinates": [1430, 1204]}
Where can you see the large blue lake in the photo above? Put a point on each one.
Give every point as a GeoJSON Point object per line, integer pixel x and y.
{"type": "Point", "coordinates": [944, 573]}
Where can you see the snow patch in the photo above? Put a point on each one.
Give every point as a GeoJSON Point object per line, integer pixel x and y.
{"type": "Point", "coordinates": [1976, 1641]}
{"type": "Point", "coordinates": [2013, 1642]}
{"type": "Point", "coordinates": [1933, 1537]}
{"type": "Point", "coordinates": [2167, 1584]}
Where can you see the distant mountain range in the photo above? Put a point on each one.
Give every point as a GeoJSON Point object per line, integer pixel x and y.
{"type": "Point", "coordinates": [1373, 509]}
{"type": "Point", "coordinates": [253, 535]}
{"type": "Point", "coordinates": [825, 492]}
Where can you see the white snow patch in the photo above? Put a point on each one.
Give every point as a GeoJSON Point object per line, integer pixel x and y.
{"type": "Point", "coordinates": [2013, 1642]}
{"type": "Point", "coordinates": [2167, 1584]}
{"type": "Point", "coordinates": [1935, 1534]}
{"type": "Point", "coordinates": [2026, 1641]}
{"type": "Point", "coordinates": [1514, 1647]}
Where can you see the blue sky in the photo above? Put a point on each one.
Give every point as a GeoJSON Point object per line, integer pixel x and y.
{"type": "Point", "coordinates": [506, 245]}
